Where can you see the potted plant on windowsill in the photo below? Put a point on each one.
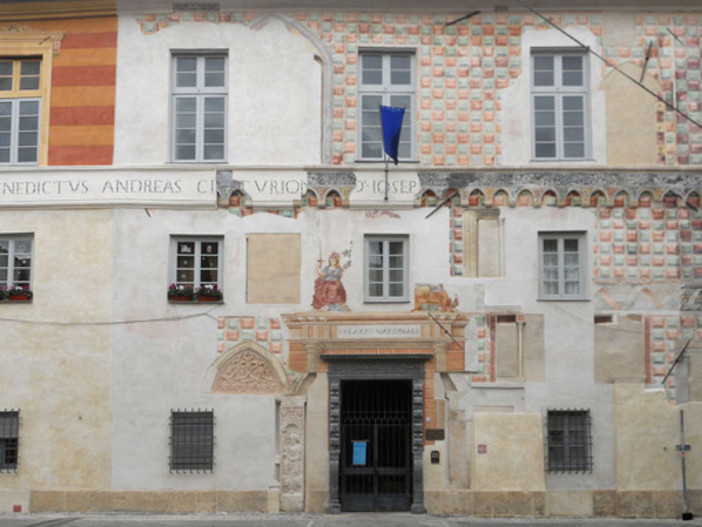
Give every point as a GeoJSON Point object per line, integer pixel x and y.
{"type": "Point", "coordinates": [209, 293]}
{"type": "Point", "coordinates": [19, 294]}
{"type": "Point", "coordinates": [180, 293]}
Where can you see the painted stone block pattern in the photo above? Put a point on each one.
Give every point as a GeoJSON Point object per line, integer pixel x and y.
{"type": "Point", "coordinates": [267, 332]}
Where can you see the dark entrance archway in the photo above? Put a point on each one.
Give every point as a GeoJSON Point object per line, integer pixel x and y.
{"type": "Point", "coordinates": [376, 411]}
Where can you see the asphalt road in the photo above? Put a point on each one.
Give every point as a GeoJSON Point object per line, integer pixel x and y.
{"type": "Point", "coordinates": [341, 520]}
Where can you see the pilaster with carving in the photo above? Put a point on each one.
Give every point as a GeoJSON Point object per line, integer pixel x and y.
{"type": "Point", "coordinates": [418, 446]}
{"type": "Point", "coordinates": [292, 458]}
{"type": "Point", "coordinates": [334, 444]}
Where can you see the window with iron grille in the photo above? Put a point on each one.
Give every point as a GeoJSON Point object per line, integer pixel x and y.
{"type": "Point", "coordinates": [569, 441]}
{"type": "Point", "coordinates": [192, 440]}
{"type": "Point", "coordinates": [9, 439]}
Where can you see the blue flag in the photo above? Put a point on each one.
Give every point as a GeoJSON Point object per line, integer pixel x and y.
{"type": "Point", "coordinates": [391, 121]}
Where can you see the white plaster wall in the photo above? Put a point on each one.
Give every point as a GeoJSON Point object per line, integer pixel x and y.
{"type": "Point", "coordinates": [274, 85]}
{"type": "Point", "coordinates": [516, 102]}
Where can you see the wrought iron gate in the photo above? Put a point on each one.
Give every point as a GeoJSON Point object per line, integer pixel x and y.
{"type": "Point", "coordinates": [375, 470]}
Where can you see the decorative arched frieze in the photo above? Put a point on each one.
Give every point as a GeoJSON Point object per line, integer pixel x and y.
{"type": "Point", "coordinates": [500, 198]}
{"type": "Point", "coordinates": [436, 183]}
{"type": "Point", "coordinates": [622, 199]}
{"type": "Point", "coordinates": [324, 183]}
{"type": "Point", "coordinates": [525, 198]}
{"type": "Point", "coordinates": [598, 198]}
{"type": "Point", "coordinates": [428, 199]}
{"type": "Point", "coordinates": [226, 185]}
{"type": "Point", "coordinates": [476, 198]}
{"type": "Point", "coordinates": [574, 199]}
{"type": "Point", "coordinates": [645, 199]}
{"type": "Point", "coordinates": [308, 199]}
{"type": "Point", "coordinates": [549, 198]}
{"type": "Point", "coordinates": [693, 199]}
{"type": "Point", "coordinates": [333, 199]}
{"type": "Point", "coordinates": [670, 199]}
{"type": "Point", "coordinates": [249, 368]}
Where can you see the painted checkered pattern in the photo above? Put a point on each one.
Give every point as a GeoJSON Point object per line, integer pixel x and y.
{"type": "Point", "coordinates": [665, 336]}
{"type": "Point", "coordinates": [675, 63]}
{"type": "Point", "coordinates": [264, 331]}
{"type": "Point", "coordinates": [648, 244]}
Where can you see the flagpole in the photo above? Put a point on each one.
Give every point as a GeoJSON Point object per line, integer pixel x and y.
{"type": "Point", "coordinates": [385, 154]}
{"type": "Point", "coordinates": [386, 177]}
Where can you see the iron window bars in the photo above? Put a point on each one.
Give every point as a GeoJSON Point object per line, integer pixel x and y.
{"type": "Point", "coordinates": [192, 440]}
{"type": "Point", "coordinates": [569, 439]}
{"type": "Point", "coordinates": [9, 439]}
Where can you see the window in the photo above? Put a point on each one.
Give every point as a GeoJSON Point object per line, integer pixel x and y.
{"type": "Point", "coordinates": [387, 265]}
{"type": "Point", "coordinates": [560, 105]}
{"type": "Point", "coordinates": [199, 107]}
{"type": "Point", "coordinates": [9, 439]}
{"type": "Point", "coordinates": [16, 262]}
{"type": "Point", "coordinates": [562, 268]}
{"type": "Point", "coordinates": [20, 110]}
{"type": "Point", "coordinates": [192, 440]}
{"type": "Point", "coordinates": [569, 441]}
{"type": "Point", "coordinates": [197, 263]}
{"type": "Point", "coordinates": [387, 79]}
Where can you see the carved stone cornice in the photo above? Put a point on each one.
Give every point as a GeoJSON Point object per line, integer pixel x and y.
{"type": "Point", "coordinates": [374, 329]}
{"type": "Point", "coordinates": [25, 37]}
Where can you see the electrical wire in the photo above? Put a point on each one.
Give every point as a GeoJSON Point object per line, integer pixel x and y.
{"type": "Point", "coordinates": [610, 64]}
{"type": "Point", "coordinates": [107, 323]}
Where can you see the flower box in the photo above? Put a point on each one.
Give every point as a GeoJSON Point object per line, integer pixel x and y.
{"type": "Point", "coordinates": [16, 294]}
{"type": "Point", "coordinates": [208, 298]}
{"type": "Point", "coordinates": [209, 293]}
{"type": "Point", "coordinates": [180, 299]}
{"type": "Point", "coordinates": [18, 298]}
{"type": "Point", "coordinates": [180, 293]}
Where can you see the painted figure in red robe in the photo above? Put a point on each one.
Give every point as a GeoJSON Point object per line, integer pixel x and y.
{"type": "Point", "coordinates": [329, 292]}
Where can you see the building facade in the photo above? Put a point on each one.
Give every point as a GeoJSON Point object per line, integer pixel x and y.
{"type": "Point", "coordinates": [233, 302]}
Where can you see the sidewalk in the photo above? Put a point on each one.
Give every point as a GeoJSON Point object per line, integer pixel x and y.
{"type": "Point", "coordinates": [308, 520]}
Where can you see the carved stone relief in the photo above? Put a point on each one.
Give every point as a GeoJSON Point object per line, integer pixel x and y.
{"type": "Point", "coordinates": [292, 458]}
{"type": "Point", "coordinates": [246, 372]}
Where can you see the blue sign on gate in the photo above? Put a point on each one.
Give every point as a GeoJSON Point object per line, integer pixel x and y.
{"type": "Point", "coordinates": [359, 452]}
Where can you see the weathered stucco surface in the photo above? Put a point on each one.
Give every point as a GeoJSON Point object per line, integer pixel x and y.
{"type": "Point", "coordinates": [648, 429]}
{"type": "Point", "coordinates": [55, 367]}
{"type": "Point", "coordinates": [511, 462]}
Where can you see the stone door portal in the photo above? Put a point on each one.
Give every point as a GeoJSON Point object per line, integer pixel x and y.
{"type": "Point", "coordinates": [375, 467]}
{"type": "Point", "coordinates": [376, 409]}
